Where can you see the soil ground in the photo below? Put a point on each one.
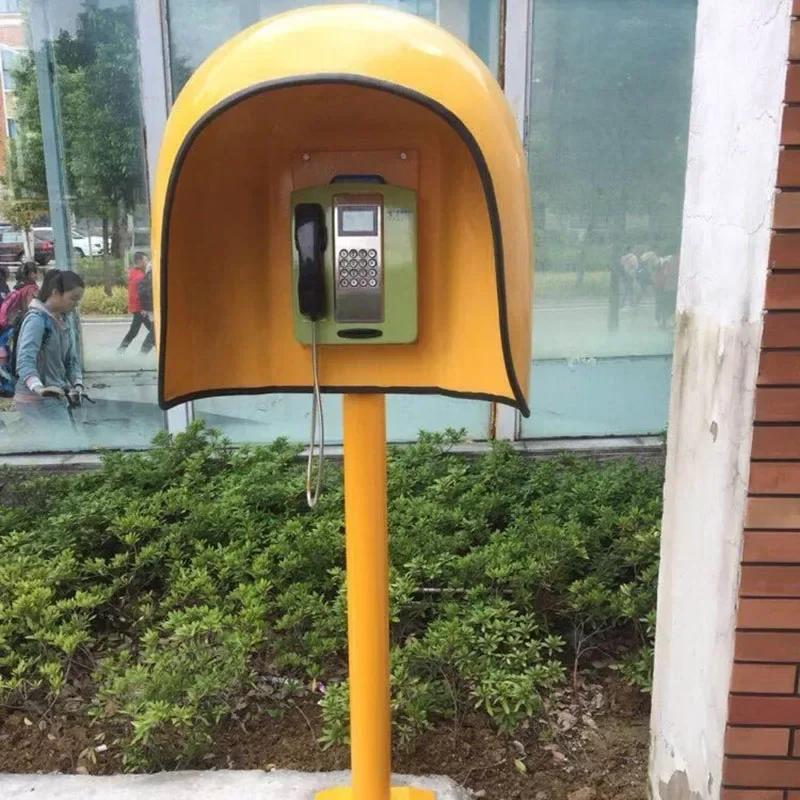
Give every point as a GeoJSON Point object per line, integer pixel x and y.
{"type": "Point", "coordinates": [591, 745]}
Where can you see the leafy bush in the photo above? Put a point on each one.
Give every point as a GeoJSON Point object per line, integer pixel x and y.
{"type": "Point", "coordinates": [100, 270]}
{"type": "Point", "coordinates": [96, 301]}
{"type": "Point", "coordinates": [164, 587]}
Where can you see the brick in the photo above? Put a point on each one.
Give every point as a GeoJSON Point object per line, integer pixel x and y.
{"type": "Point", "coordinates": [786, 215]}
{"type": "Point", "coordinates": [777, 405]}
{"type": "Point", "coordinates": [792, 796]}
{"type": "Point", "coordinates": [793, 84]}
{"type": "Point", "coordinates": [796, 8]}
{"type": "Point", "coordinates": [779, 441]}
{"type": "Point", "coordinates": [781, 330]}
{"type": "Point", "coordinates": [773, 513]}
{"type": "Point", "coordinates": [778, 581]}
{"type": "Point", "coordinates": [757, 741]}
{"type": "Point", "coordinates": [779, 368]}
{"type": "Point", "coordinates": [768, 614]}
{"type": "Point", "coordinates": [789, 169]}
{"type": "Point", "coordinates": [746, 709]}
{"type": "Point", "coordinates": [764, 773]}
{"type": "Point", "coordinates": [790, 132]}
{"type": "Point", "coordinates": [763, 678]}
{"type": "Point", "coordinates": [771, 547]}
{"type": "Point", "coordinates": [794, 42]}
{"type": "Point", "coordinates": [777, 477]}
{"type": "Point", "coordinates": [751, 794]}
{"type": "Point", "coordinates": [783, 647]}
{"type": "Point", "coordinates": [784, 251]}
{"type": "Point", "coordinates": [783, 289]}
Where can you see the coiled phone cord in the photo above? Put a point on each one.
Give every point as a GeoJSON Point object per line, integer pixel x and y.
{"type": "Point", "coordinates": [316, 416]}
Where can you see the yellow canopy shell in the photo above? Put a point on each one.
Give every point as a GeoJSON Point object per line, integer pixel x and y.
{"type": "Point", "coordinates": [292, 102]}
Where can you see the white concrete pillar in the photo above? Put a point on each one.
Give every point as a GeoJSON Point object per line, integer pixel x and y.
{"type": "Point", "coordinates": [739, 81]}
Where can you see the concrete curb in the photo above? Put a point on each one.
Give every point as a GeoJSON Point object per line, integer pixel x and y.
{"type": "Point", "coordinates": [218, 785]}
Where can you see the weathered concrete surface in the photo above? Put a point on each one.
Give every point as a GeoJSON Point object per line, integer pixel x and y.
{"type": "Point", "coordinates": [219, 785]}
{"type": "Point", "coordinates": [734, 135]}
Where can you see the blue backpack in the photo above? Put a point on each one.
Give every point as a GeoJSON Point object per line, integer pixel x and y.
{"type": "Point", "coordinates": [8, 352]}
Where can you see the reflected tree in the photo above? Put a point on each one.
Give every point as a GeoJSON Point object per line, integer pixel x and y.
{"type": "Point", "coordinates": [610, 110]}
{"type": "Point", "coordinates": [98, 93]}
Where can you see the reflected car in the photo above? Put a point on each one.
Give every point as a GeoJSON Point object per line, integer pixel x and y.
{"type": "Point", "coordinates": [12, 248]}
{"type": "Point", "coordinates": [82, 244]}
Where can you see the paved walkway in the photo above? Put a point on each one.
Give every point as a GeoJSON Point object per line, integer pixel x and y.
{"type": "Point", "coordinates": [219, 785]}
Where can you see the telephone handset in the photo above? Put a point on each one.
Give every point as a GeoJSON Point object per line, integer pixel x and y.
{"type": "Point", "coordinates": [311, 241]}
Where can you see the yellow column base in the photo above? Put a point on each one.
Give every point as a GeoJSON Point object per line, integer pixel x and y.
{"type": "Point", "coordinates": [398, 793]}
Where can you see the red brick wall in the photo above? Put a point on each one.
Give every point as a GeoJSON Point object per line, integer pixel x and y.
{"type": "Point", "coordinates": [762, 744]}
{"type": "Point", "coordinates": [13, 35]}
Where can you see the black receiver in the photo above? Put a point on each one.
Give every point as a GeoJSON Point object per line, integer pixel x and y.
{"type": "Point", "coordinates": [311, 240]}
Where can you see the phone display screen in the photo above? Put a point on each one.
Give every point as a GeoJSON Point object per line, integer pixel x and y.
{"type": "Point", "coordinates": [358, 221]}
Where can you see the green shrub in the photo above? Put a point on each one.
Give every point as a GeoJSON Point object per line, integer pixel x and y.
{"type": "Point", "coordinates": [96, 301]}
{"type": "Point", "coordinates": [173, 582]}
{"type": "Point", "coordinates": [101, 270]}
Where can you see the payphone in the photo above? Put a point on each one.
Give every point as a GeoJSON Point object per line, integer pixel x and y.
{"type": "Point", "coordinates": [324, 130]}
{"type": "Point", "coordinates": [355, 263]}
{"type": "Point", "coordinates": [355, 277]}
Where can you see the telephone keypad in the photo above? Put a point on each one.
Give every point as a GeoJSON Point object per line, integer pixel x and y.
{"type": "Point", "coordinates": [357, 271]}
{"type": "Point", "coordinates": [359, 265]}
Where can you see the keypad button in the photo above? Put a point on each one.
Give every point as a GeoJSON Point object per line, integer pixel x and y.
{"type": "Point", "coordinates": [362, 263]}
{"type": "Point", "coordinates": [362, 253]}
{"type": "Point", "coordinates": [373, 273]}
{"type": "Point", "coordinates": [353, 253]}
{"type": "Point", "coordinates": [344, 273]}
{"type": "Point", "coordinates": [343, 254]}
{"type": "Point", "coordinates": [372, 253]}
{"type": "Point", "coordinates": [372, 262]}
{"type": "Point", "coordinates": [353, 282]}
{"type": "Point", "coordinates": [373, 282]}
{"type": "Point", "coordinates": [363, 282]}
{"type": "Point", "coordinates": [342, 283]}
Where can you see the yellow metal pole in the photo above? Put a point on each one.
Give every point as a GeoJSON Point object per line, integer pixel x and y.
{"type": "Point", "coordinates": [368, 604]}
{"type": "Point", "coordinates": [367, 594]}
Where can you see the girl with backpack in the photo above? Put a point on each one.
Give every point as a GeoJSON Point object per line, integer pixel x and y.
{"type": "Point", "coordinates": [12, 310]}
{"type": "Point", "coordinates": [27, 275]}
{"type": "Point", "coordinates": [47, 362]}
{"type": "Point", "coordinates": [4, 276]}
{"type": "Point", "coordinates": [25, 289]}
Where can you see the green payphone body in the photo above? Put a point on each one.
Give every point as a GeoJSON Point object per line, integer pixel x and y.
{"type": "Point", "coordinates": [354, 245]}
